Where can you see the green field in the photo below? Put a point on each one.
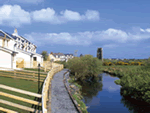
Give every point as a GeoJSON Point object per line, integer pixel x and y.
{"type": "Point", "coordinates": [21, 84]}
{"type": "Point", "coordinates": [35, 69]}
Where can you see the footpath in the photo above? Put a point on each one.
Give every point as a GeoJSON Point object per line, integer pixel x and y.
{"type": "Point", "coordinates": [59, 98]}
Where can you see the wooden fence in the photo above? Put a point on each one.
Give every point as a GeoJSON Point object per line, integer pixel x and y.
{"type": "Point", "coordinates": [21, 74]}
{"type": "Point", "coordinates": [46, 84]}
{"type": "Point", "coordinates": [20, 99]}
{"type": "Point", "coordinates": [28, 75]}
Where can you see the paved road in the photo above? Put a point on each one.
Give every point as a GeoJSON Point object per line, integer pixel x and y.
{"type": "Point", "coordinates": [60, 100]}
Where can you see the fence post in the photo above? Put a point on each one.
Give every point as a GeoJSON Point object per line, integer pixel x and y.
{"type": "Point", "coordinates": [14, 73]}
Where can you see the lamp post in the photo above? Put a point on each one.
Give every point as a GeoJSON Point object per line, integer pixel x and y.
{"type": "Point", "coordinates": [38, 78]}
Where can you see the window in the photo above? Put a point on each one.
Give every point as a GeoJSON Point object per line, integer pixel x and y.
{"type": "Point", "coordinates": [22, 47]}
{"type": "Point", "coordinates": [34, 58]}
{"type": "Point", "coordinates": [7, 43]}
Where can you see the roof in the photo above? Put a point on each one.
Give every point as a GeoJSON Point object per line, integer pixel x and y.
{"type": "Point", "coordinates": [3, 34]}
{"type": "Point", "coordinates": [27, 40]}
{"type": "Point", "coordinates": [68, 54]}
{"type": "Point", "coordinates": [58, 54]}
{"type": "Point", "coordinates": [14, 37]}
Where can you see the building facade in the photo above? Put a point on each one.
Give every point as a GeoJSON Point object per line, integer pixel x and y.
{"type": "Point", "coordinates": [17, 52]}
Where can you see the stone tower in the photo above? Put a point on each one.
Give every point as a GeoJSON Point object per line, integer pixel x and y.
{"type": "Point", "coordinates": [100, 53]}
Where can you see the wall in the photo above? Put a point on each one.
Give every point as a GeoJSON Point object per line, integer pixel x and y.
{"type": "Point", "coordinates": [39, 59]}
{"type": "Point", "coordinates": [11, 44]}
{"type": "Point", "coordinates": [5, 59]}
{"type": "Point", "coordinates": [51, 57]}
{"type": "Point", "coordinates": [0, 41]}
{"type": "Point", "coordinates": [26, 58]}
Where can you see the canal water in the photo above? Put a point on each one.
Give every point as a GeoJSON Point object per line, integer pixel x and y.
{"type": "Point", "coordinates": [104, 97]}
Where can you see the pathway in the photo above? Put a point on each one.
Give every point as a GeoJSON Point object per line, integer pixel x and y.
{"type": "Point", "coordinates": [60, 99]}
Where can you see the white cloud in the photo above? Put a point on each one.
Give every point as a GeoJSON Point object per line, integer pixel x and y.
{"type": "Point", "coordinates": [146, 30]}
{"type": "Point", "coordinates": [49, 15]}
{"type": "Point", "coordinates": [46, 15]}
{"type": "Point", "coordinates": [92, 15]}
{"type": "Point", "coordinates": [110, 45]}
{"type": "Point", "coordinates": [88, 38]}
{"type": "Point", "coordinates": [71, 15]}
{"type": "Point", "coordinates": [54, 38]}
{"type": "Point", "coordinates": [142, 30]}
{"type": "Point", "coordinates": [28, 1]}
{"type": "Point", "coordinates": [13, 16]}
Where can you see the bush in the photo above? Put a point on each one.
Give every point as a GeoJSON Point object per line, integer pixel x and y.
{"type": "Point", "coordinates": [117, 82]}
{"type": "Point", "coordinates": [85, 67]}
{"type": "Point", "coordinates": [62, 62]}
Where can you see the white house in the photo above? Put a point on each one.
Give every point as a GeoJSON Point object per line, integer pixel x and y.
{"type": "Point", "coordinates": [17, 52]}
{"type": "Point", "coordinates": [57, 56]}
{"type": "Point", "coordinates": [68, 56]}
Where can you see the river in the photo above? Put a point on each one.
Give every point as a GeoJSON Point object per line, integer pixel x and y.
{"type": "Point", "coordinates": [104, 97]}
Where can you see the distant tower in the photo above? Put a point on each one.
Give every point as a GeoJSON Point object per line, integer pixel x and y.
{"type": "Point", "coordinates": [100, 53]}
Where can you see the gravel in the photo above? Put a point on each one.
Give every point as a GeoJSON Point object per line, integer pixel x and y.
{"type": "Point", "coordinates": [60, 100]}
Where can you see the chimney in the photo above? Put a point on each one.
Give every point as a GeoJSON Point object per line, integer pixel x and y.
{"type": "Point", "coordinates": [15, 32]}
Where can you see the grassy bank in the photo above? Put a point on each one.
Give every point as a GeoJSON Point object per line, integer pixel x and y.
{"type": "Point", "coordinates": [77, 96]}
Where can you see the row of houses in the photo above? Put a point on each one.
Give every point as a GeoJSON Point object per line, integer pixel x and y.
{"type": "Point", "coordinates": [60, 56]}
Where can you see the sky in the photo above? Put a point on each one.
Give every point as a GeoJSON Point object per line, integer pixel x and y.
{"type": "Point", "coordinates": [120, 27]}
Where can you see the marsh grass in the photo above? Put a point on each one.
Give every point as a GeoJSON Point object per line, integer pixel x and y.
{"type": "Point", "coordinates": [134, 80]}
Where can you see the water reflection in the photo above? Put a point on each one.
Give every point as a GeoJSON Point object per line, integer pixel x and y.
{"type": "Point", "coordinates": [135, 106]}
{"type": "Point", "coordinates": [91, 89]}
{"type": "Point", "coordinates": [104, 96]}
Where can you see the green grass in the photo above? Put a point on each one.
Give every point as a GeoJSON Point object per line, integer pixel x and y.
{"type": "Point", "coordinates": [21, 84]}
{"type": "Point", "coordinates": [81, 103]}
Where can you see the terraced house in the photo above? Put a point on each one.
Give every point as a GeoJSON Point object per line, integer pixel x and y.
{"type": "Point", "coordinates": [17, 52]}
{"type": "Point", "coordinates": [60, 56]}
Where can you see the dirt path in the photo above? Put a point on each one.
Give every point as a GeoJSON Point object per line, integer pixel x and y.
{"type": "Point", "coordinates": [60, 100]}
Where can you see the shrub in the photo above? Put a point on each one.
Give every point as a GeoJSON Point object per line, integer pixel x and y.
{"type": "Point", "coordinates": [84, 67]}
{"type": "Point", "coordinates": [62, 62]}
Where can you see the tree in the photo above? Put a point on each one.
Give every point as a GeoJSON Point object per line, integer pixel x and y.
{"type": "Point", "coordinates": [81, 55]}
{"type": "Point", "coordinates": [84, 68]}
{"type": "Point", "coordinates": [45, 55]}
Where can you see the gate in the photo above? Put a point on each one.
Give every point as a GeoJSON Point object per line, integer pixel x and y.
{"type": "Point", "coordinates": [20, 63]}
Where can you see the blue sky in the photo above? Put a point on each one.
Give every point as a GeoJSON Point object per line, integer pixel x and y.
{"type": "Point", "coordinates": [121, 28]}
